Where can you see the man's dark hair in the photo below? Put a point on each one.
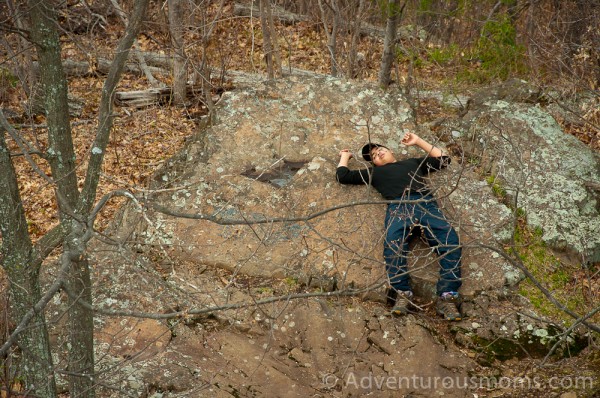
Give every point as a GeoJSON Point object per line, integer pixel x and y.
{"type": "Point", "coordinates": [366, 150]}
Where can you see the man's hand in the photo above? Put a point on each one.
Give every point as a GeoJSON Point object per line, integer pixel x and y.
{"type": "Point", "coordinates": [346, 152]}
{"type": "Point", "coordinates": [410, 139]}
{"type": "Point", "coordinates": [345, 156]}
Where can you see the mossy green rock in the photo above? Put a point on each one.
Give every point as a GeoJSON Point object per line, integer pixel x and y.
{"type": "Point", "coordinates": [547, 171]}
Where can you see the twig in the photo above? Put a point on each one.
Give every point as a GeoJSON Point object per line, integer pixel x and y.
{"type": "Point", "coordinates": [545, 292]}
{"type": "Point", "coordinates": [225, 307]}
{"type": "Point", "coordinates": [566, 333]}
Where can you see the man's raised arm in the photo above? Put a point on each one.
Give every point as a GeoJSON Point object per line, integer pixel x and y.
{"type": "Point", "coordinates": [411, 139]}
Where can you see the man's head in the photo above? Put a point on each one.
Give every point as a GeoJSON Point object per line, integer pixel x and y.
{"type": "Point", "coordinates": [378, 154]}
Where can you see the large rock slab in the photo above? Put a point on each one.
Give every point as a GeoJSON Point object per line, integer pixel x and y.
{"type": "Point", "coordinates": [544, 171]}
{"type": "Point", "coordinates": [273, 154]}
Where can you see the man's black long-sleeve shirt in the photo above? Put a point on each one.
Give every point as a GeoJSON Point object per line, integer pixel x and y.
{"type": "Point", "coordinates": [393, 180]}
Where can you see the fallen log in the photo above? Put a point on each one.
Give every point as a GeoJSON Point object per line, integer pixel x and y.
{"type": "Point", "coordinates": [103, 66]}
{"type": "Point", "coordinates": [159, 60]}
{"type": "Point", "coordinates": [152, 96]}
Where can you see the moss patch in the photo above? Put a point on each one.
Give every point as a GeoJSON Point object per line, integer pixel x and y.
{"type": "Point", "coordinates": [557, 276]}
{"type": "Point", "coordinates": [571, 284]}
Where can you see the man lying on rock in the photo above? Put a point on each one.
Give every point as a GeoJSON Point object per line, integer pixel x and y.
{"type": "Point", "coordinates": [403, 180]}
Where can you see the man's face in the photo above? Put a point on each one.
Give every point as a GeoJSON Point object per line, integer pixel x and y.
{"type": "Point", "coordinates": [381, 156]}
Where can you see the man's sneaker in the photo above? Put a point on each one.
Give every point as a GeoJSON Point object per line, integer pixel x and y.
{"type": "Point", "coordinates": [403, 299]}
{"type": "Point", "coordinates": [446, 306]}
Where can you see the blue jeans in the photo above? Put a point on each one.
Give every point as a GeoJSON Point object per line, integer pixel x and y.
{"type": "Point", "coordinates": [400, 220]}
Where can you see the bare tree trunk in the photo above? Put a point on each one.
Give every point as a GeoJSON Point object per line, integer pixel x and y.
{"type": "Point", "coordinates": [530, 29]}
{"type": "Point", "coordinates": [23, 52]}
{"type": "Point", "coordinates": [105, 115]}
{"type": "Point", "coordinates": [267, 42]}
{"type": "Point", "coordinates": [274, 41]}
{"type": "Point", "coordinates": [138, 54]}
{"type": "Point", "coordinates": [61, 154]}
{"type": "Point", "coordinates": [393, 12]}
{"type": "Point", "coordinates": [204, 69]}
{"type": "Point", "coordinates": [62, 162]}
{"type": "Point", "coordinates": [450, 22]}
{"type": "Point", "coordinates": [179, 62]}
{"type": "Point", "coordinates": [38, 369]}
{"type": "Point", "coordinates": [582, 11]}
{"type": "Point", "coordinates": [331, 32]}
{"type": "Point", "coordinates": [353, 53]}
{"type": "Point", "coordinates": [81, 320]}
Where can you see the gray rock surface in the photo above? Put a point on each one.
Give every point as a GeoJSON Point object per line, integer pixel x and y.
{"type": "Point", "coordinates": [547, 172]}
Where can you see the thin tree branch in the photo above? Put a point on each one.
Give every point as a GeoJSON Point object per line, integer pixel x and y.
{"type": "Point", "coordinates": [266, 220]}
{"type": "Point", "coordinates": [105, 115]}
{"type": "Point", "coordinates": [545, 292]}
{"type": "Point", "coordinates": [225, 307]}
{"type": "Point", "coordinates": [566, 333]}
